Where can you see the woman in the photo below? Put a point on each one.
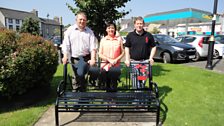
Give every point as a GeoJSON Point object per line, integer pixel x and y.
{"type": "Point", "coordinates": [111, 51]}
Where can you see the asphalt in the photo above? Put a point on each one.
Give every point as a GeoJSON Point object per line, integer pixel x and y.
{"type": "Point", "coordinates": [216, 66]}
{"type": "Point", "coordinates": [115, 119]}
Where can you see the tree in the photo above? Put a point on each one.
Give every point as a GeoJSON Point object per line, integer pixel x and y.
{"type": "Point", "coordinates": [56, 32]}
{"type": "Point", "coordinates": [99, 12]}
{"type": "Point", "coordinates": [30, 26]}
{"type": "Point", "coordinates": [118, 26]}
{"type": "Point", "coordinates": [155, 30]}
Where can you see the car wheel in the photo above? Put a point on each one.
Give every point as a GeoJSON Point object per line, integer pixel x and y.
{"type": "Point", "coordinates": [166, 57]}
{"type": "Point", "coordinates": [197, 57]}
{"type": "Point", "coordinates": [216, 54]}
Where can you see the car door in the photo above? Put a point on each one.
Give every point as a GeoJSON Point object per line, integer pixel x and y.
{"type": "Point", "coordinates": [205, 44]}
{"type": "Point", "coordinates": [161, 46]}
{"type": "Point", "coordinates": [158, 49]}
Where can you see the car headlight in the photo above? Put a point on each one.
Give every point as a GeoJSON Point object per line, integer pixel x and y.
{"type": "Point", "coordinates": [177, 48]}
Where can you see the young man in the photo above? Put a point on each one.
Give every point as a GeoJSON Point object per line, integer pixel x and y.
{"type": "Point", "coordinates": [140, 45]}
{"type": "Point", "coordinates": [79, 44]}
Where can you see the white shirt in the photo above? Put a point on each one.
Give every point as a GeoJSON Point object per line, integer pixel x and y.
{"type": "Point", "coordinates": [78, 43]}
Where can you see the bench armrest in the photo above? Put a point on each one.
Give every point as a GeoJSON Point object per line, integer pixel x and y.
{"type": "Point", "coordinates": [155, 89]}
{"type": "Point", "coordinates": [60, 88]}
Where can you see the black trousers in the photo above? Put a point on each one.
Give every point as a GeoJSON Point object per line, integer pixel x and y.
{"type": "Point", "coordinates": [110, 78]}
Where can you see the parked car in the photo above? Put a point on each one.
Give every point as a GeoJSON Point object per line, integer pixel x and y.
{"type": "Point", "coordinates": [218, 50]}
{"type": "Point", "coordinates": [123, 39]}
{"type": "Point", "coordinates": [220, 38]}
{"type": "Point", "coordinates": [200, 42]}
{"type": "Point", "coordinates": [170, 50]}
{"type": "Point", "coordinates": [56, 40]}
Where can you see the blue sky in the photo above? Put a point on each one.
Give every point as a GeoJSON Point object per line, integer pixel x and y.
{"type": "Point", "coordinates": [137, 7]}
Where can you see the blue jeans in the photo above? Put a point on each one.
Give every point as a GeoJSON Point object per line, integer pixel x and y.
{"type": "Point", "coordinates": [80, 68]}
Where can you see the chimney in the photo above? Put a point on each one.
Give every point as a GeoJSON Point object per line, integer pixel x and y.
{"type": "Point", "coordinates": [35, 12]}
{"type": "Point", "coordinates": [56, 19]}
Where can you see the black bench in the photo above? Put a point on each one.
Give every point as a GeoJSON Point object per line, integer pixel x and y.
{"type": "Point", "coordinates": [96, 99]}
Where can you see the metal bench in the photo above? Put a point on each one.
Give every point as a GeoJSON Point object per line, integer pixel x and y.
{"type": "Point", "coordinates": [126, 99]}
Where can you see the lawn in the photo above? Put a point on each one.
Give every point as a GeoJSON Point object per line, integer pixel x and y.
{"type": "Point", "coordinates": [189, 96]}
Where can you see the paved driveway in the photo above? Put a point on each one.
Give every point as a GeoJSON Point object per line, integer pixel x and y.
{"type": "Point", "coordinates": [217, 65]}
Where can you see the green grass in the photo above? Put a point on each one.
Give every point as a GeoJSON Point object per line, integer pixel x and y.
{"type": "Point", "coordinates": [22, 117]}
{"type": "Point", "coordinates": [189, 97]}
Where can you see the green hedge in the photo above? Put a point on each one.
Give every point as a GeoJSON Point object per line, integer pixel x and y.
{"type": "Point", "coordinates": [27, 61]}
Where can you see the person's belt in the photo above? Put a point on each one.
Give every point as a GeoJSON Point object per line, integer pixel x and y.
{"type": "Point", "coordinates": [74, 58]}
{"type": "Point", "coordinates": [86, 58]}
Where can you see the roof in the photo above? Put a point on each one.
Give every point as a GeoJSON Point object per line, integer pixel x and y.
{"type": "Point", "coordinates": [175, 17]}
{"type": "Point", "coordinates": [16, 14]}
{"type": "Point", "coordinates": [49, 21]}
{"type": "Point", "coordinates": [125, 21]}
{"type": "Point", "coordinates": [128, 29]}
{"type": "Point", "coordinates": [129, 23]}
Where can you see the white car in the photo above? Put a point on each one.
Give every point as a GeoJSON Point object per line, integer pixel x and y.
{"type": "Point", "coordinates": [200, 42]}
{"type": "Point", "coordinates": [218, 50]}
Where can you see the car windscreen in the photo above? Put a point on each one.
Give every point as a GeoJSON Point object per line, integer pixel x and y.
{"type": "Point", "coordinates": [165, 38]}
{"type": "Point", "coordinates": [189, 39]}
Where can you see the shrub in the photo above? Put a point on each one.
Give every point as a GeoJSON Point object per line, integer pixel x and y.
{"type": "Point", "coordinates": [31, 62]}
{"type": "Point", "coordinates": [8, 44]}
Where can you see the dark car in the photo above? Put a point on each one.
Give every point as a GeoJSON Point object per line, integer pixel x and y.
{"type": "Point", "coordinates": [56, 40]}
{"type": "Point", "coordinates": [170, 50]}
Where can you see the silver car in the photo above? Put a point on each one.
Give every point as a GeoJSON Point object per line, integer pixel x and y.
{"type": "Point", "coordinates": [218, 50]}
{"type": "Point", "coordinates": [200, 42]}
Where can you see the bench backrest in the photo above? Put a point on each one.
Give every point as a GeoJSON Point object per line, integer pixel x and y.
{"type": "Point", "coordinates": [136, 77]}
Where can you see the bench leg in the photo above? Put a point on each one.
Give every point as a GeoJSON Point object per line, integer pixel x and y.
{"type": "Point", "coordinates": [158, 114]}
{"type": "Point", "coordinates": [56, 116]}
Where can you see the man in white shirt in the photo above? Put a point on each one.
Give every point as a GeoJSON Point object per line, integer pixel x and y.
{"type": "Point", "coordinates": [79, 41]}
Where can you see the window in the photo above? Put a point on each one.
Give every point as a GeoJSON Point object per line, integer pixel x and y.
{"type": "Point", "coordinates": [205, 40]}
{"type": "Point", "coordinates": [17, 21]}
{"type": "Point", "coordinates": [10, 20]}
{"type": "Point", "coordinates": [179, 38]}
{"type": "Point", "coordinates": [17, 28]}
{"type": "Point", "coordinates": [10, 26]}
{"type": "Point", "coordinates": [189, 39]}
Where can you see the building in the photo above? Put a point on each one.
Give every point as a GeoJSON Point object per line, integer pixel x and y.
{"type": "Point", "coordinates": [127, 25]}
{"type": "Point", "coordinates": [49, 27]}
{"type": "Point", "coordinates": [13, 19]}
{"type": "Point", "coordinates": [185, 21]}
{"type": "Point", "coordinates": [179, 22]}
